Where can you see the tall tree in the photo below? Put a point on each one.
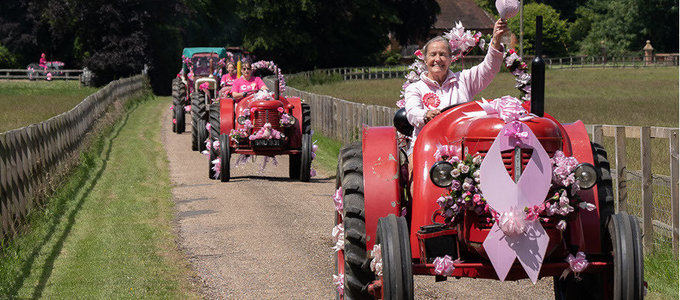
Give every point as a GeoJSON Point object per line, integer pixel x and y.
{"type": "Point", "coordinates": [555, 37]}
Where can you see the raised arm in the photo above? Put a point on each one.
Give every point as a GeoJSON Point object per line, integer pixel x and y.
{"type": "Point", "coordinates": [480, 76]}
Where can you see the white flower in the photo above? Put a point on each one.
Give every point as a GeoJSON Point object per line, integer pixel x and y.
{"type": "Point", "coordinates": [477, 160]}
{"type": "Point", "coordinates": [376, 262]}
{"type": "Point", "coordinates": [463, 168]}
{"type": "Point", "coordinates": [561, 225]}
{"type": "Point", "coordinates": [455, 172]}
{"type": "Point", "coordinates": [587, 206]}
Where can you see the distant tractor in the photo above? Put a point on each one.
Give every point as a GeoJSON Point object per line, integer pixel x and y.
{"type": "Point", "coordinates": [263, 124]}
{"type": "Point", "coordinates": [197, 86]}
{"type": "Point", "coordinates": [536, 201]}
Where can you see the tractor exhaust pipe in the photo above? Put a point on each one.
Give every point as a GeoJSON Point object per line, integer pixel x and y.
{"type": "Point", "coordinates": [276, 84]}
{"type": "Point", "coordinates": [538, 73]}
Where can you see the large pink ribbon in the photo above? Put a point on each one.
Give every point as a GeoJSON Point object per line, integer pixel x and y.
{"type": "Point", "coordinates": [504, 196]}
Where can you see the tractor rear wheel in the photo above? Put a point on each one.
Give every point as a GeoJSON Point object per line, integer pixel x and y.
{"type": "Point", "coordinates": [225, 158]}
{"type": "Point", "coordinates": [393, 237]}
{"type": "Point", "coordinates": [306, 155]}
{"type": "Point", "coordinates": [355, 265]}
{"type": "Point", "coordinates": [590, 285]}
{"type": "Point", "coordinates": [213, 135]}
{"type": "Point", "coordinates": [198, 112]}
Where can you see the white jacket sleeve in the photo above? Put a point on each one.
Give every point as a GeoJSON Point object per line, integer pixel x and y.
{"type": "Point", "coordinates": [480, 76]}
{"type": "Point", "coordinates": [415, 111]}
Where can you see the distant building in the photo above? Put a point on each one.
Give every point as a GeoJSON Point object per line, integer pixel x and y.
{"type": "Point", "coordinates": [467, 12]}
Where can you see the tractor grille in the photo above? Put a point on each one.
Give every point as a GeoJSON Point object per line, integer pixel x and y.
{"type": "Point", "coordinates": [509, 159]}
{"type": "Point", "coordinates": [263, 116]}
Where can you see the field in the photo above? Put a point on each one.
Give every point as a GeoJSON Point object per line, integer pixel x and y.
{"type": "Point", "coordinates": [28, 102]}
{"type": "Point", "coordinates": [636, 97]}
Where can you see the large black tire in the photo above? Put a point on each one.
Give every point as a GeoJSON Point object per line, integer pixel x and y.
{"type": "Point", "coordinates": [198, 112]}
{"type": "Point", "coordinates": [357, 271]}
{"type": "Point", "coordinates": [179, 119]}
{"type": "Point", "coordinates": [393, 236]}
{"type": "Point", "coordinates": [590, 285]}
{"type": "Point", "coordinates": [202, 134]}
{"type": "Point", "coordinates": [214, 135]}
{"type": "Point", "coordinates": [306, 155]}
{"type": "Point", "coordinates": [627, 257]}
{"type": "Point", "coordinates": [225, 158]}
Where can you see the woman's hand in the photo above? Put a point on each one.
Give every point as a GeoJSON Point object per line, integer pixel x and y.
{"type": "Point", "coordinates": [430, 114]}
{"type": "Point", "coordinates": [499, 29]}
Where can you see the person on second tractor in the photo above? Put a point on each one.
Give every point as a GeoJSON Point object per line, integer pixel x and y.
{"type": "Point", "coordinates": [246, 84]}
{"type": "Point", "coordinates": [439, 87]}
{"type": "Point", "coordinates": [228, 79]}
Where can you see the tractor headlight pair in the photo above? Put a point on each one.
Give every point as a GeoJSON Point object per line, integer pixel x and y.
{"type": "Point", "coordinates": [584, 173]}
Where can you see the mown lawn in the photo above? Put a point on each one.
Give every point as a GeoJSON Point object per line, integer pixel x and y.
{"type": "Point", "coordinates": [107, 233]}
{"type": "Point", "coordinates": [24, 102]}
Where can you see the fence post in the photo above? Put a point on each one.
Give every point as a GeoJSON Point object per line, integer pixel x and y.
{"type": "Point", "coordinates": [673, 145]}
{"type": "Point", "coordinates": [621, 192]}
{"type": "Point", "coordinates": [597, 134]}
{"type": "Point", "coordinates": [647, 195]}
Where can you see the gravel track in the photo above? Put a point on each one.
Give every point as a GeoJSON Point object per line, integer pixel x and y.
{"type": "Point", "coordinates": [263, 236]}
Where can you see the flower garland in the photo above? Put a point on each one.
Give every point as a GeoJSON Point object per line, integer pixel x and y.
{"type": "Point", "coordinates": [517, 67]}
{"type": "Point", "coordinates": [262, 64]}
{"type": "Point", "coordinates": [464, 193]}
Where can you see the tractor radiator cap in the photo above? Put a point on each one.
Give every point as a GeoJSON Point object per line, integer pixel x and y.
{"type": "Point", "coordinates": [401, 122]}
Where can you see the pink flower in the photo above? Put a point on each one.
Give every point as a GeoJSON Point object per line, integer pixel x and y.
{"type": "Point", "coordinates": [419, 54]}
{"type": "Point", "coordinates": [443, 266]}
{"type": "Point", "coordinates": [376, 262]}
{"type": "Point", "coordinates": [207, 126]}
{"type": "Point", "coordinates": [339, 282]}
{"type": "Point", "coordinates": [49, 76]}
{"type": "Point", "coordinates": [174, 121]}
{"type": "Point", "coordinates": [204, 86]}
{"type": "Point", "coordinates": [455, 184]}
{"type": "Point", "coordinates": [561, 225]}
{"type": "Point", "coordinates": [401, 103]}
{"type": "Point", "coordinates": [280, 109]}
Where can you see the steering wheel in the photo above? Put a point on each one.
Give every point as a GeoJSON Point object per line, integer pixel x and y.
{"type": "Point", "coordinates": [450, 107]}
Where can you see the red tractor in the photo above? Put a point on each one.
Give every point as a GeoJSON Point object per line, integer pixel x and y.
{"type": "Point", "coordinates": [262, 124]}
{"type": "Point", "coordinates": [416, 235]}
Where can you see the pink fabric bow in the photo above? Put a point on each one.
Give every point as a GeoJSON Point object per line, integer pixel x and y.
{"type": "Point", "coordinates": [443, 266]}
{"type": "Point", "coordinates": [578, 263]}
{"type": "Point", "coordinates": [515, 132]}
{"type": "Point", "coordinates": [513, 223]}
{"type": "Point", "coordinates": [204, 86]}
{"type": "Point", "coordinates": [337, 199]}
{"type": "Point", "coordinates": [504, 195]}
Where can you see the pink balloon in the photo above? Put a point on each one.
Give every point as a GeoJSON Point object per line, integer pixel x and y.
{"type": "Point", "coordinates": [507, 8]}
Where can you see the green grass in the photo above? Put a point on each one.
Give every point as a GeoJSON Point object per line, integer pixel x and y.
{"type": "Point", "coordinates": [327, 155]}
{"type": "Point", "coordinates": [28, 102]}
{"type": "Point", "coordinates": [106, 234]}
{"type": "Point", "coordinates": [661, 273]}
{"type": "Point", "coordinates": [637, 97]}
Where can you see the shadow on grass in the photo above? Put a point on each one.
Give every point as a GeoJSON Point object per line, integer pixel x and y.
{"type": "Point", "coordinates": [84, 178]}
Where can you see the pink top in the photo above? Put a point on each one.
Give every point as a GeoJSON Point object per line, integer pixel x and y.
{"type": "Point", "coordinates": [228, 79]}
{"type": "Point", "coordinates": [241, 85]}
{"type": "Point", "coordinates": [426, 94]}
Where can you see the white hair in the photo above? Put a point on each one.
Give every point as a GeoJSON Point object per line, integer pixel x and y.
{"type": "Point", "coordinates": [436, 39]}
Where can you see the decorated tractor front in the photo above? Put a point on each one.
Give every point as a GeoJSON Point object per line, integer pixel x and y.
{"type": "Point", "coordinates": [260, 124]}
{"type": "Point", "coordinates": [499, 190]}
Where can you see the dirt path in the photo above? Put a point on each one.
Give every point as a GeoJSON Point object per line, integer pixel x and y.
{"type": "Point", "coordinates": [263, 236]}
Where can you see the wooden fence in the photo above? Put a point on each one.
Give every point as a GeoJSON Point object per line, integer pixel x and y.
{"type": "Point", "coordinates": [342, 120]}
{"type": "Point", "coordinates": [29, 156]}
{"type": "Point", "coordinates": [26, 74]}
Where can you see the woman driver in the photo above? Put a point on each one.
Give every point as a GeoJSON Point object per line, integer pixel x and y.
{"type": "Point", "coordinates": [246, 83]}
{"type": "Point", "coordinates": [439, 87]}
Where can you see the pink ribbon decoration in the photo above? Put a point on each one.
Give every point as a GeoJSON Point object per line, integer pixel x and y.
{"type": "Point", "coordinates": [515, 132]}
{"type": "Point", "coordinates": [504, 195]}
{"type": "Point", "coordinates": [204, 86]}
{"type": "Point", "coordinates": [578, 263]}
{"type": "Point", "coordinates": [443, 265]}
{"type": "Point", "coordinates": [507, 108]}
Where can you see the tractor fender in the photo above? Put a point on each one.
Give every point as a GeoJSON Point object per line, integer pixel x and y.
{"type": "Point", "coordinates": [295, 133]}
{"type": "Point", "coordinates": [381, 177]}
{"type": "Point", "coordinates": [226, 115]}
{"type": "Point", "coordinates": [583, 229]}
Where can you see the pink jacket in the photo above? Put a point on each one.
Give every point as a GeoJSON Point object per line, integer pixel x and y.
{"type": "Point", "coordinates": [458, 87]}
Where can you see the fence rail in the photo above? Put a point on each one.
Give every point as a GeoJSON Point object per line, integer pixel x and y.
{"type": "Point", "coordinates": [29, 156]}
{"type": "Point", "coordinates": [342, 120]}
{"type": "Point", "coordinates": [400, 71]}
{"type": "Point", "coordinates": [73, 74]}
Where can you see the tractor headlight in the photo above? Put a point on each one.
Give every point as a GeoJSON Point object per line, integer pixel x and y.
{"type": "Point", "coordinates": [586, 175]}
{"type": "Point", "coordinates": [292, 120]}
{"type": "Point", "coordinates": [241, 120]}
{"type": "Point", "coordinates": [440, 174]}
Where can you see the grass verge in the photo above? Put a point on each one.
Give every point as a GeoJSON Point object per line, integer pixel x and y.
{"type": "Point", "coordinates": [106, 233]}
{"type": "Point", "coordinates": [28, 102]}
{"type": "Point", "coordinates": [327, 156]}
{"type": "Point", "coordinates": [661, 273]}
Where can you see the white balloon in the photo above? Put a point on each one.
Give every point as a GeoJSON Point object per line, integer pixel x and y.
{"type": "Point", "coordinates": [507, 8]}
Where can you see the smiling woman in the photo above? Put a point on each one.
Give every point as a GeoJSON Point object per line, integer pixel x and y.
{"type": "Point", "coordinates": [439, 87]}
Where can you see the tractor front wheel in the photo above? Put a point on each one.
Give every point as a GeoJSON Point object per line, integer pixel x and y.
{"type": "Point", "coordinates": [202, 135]}
{"type": "Point", "coordinates": [179, 119]}
{"type": "Point", "coordinates": [306, 155]}
{"type": "Point", "coordinates": [213, 135]}
{"type": "Point", "coordinates": [225, 158]}
{"type": "Point", "coordinates": [393, 237]}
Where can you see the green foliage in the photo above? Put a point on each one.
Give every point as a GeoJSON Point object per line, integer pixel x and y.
{"type": "Point", "coordinates": [314, 79]}
{"type": "Point", "coordinates": [555, 37]}
{"type": "Point", "coordinates": [391, 58]}
{"type": "Point", "coordinates": [7, 59]}
{"type": "Point", "coordinates": [661, 271]}
{"type": "Point", "coordinates": [615, 28]}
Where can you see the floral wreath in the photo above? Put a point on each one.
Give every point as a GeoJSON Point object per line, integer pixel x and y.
{"type": "Point", "coordinates": [269, 65]}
